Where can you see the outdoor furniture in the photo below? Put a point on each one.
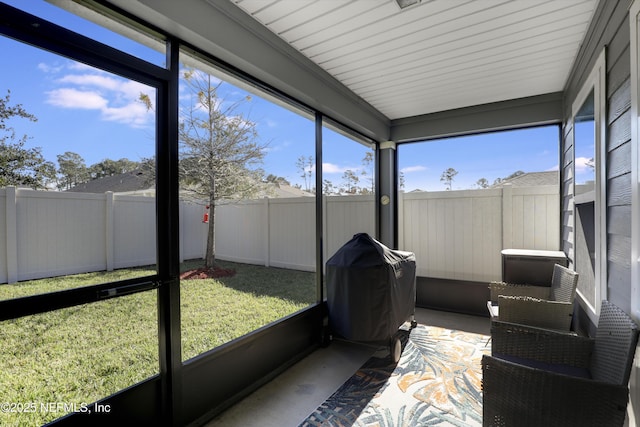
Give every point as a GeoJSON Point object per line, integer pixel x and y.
{"type": "Point", "coordinates": [530, 266]}
{"type": "Point", "coordinates": [542, 306]}
{"type": "Point", "coordinates": [538, 377]}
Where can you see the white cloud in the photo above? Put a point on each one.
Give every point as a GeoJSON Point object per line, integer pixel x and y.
{"type": "Point", "coordinates": [331, 168]}
{"type": "Point", "coordinates": [83, 67]}
{"type": "Point", "coordinates": [581, 164]}
{"type": "Point", "coordinates": [410, 169]}
{"type": "Point", "coordinates": [278, 147]}
{"type": "Point", "coordinates": [48, 68]}
{"type": "Point", "coordinates": [134, 114]}
{"type": "Point", "coordinates": [87, 88]}
{"type": "Point", "coordinates": [101, 81]}
{"type": "Point", "coordinates": [73, 98]}
{"type": "Point", "coordinates": [124, 89]}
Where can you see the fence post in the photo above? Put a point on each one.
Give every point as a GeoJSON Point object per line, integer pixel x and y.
{"type": "Point", "coordinates": [400, 201]}
{"type": "Point", "coordinates": [507, 216]}
{"type": "Point", "coordinates": [12, 235]}
{"type": "Point", "coordinates": [325, 229]}
{"type": "Point", "coordinates": [181, 228]}
{"type": "Point", "coordinates": [109, 229]}
{"type": "Point", "coordinates": [267, 232]}
{"type": "Point", "coordinates": [205, 235]}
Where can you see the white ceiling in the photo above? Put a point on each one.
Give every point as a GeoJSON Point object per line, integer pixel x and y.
{"type": "Point", "coordinates": [436, 55]}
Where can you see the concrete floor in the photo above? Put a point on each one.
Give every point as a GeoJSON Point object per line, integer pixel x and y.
{"type": "Point", "coordinates": [289, 398]}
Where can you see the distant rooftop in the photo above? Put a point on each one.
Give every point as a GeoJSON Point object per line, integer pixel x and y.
{"type": "Point", "coordinates": [136, 183]}
{"type": "Point", "coordinates": [531, 179]}
{"type": "Point", "coordinates": [121, 183]}
{"type": "Point", "coordinates": [285, 190]}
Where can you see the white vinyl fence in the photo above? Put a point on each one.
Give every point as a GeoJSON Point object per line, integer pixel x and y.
{"type": "Point", "coordinates": [454, 234]}
{"type": "Point", "coordinates": [48, 233]}
{"type": "Point", "coordinates": [459, 234]}
{"type": "Point", "coordinates": [281, 232]}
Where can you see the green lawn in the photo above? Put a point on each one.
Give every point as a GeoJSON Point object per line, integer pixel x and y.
{"type": "Point", "coordinates": [78, 355]}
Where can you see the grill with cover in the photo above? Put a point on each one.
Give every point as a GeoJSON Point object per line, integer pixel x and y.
{"type": "Point", "coordinates": [371, 291]}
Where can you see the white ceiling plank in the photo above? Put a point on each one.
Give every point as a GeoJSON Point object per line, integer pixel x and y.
{"type": "Point", "coordinates": [380, 34]}
{"type": "Point", "coordinates": [438, 55]}
{"type": "Point", "coordinates": [444, 61]}
{"type": "Point", "coordinates": [467, 38]}
{"type": "Point", "coordinates": [335, 22]}
{"type": "Point", "coordinates": [510, 71]}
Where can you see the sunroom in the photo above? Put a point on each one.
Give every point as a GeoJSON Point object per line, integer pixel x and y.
{"type": "Point", "coordinates": [365, 89]}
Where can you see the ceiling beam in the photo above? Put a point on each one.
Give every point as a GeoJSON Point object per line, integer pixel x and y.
{"type": "Point", "coordinates": [511, 114]}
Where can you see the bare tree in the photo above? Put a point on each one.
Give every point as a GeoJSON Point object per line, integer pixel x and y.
{"type": "Point", "coordinates": [368, 173]}
{"type": "Point", "coordinates": [219, 149]}
{"type": "Point", "coordinates": [305, 167]}
{"type": "Point", "coordinates": [447, 177]}
{"type": "Point", "coordinates": [350, 182]}
{"type": "Point", "coordinates": [327, 187]}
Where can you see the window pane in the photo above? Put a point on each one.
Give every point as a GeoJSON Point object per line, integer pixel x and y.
{"type": "Point", "coordinates": [462, 200]}
{"type": "Point", "coordinates": [87, 22]}
{"type": "Point", "coordinates": [78, 194]}
{"type": "Point", "coordinates": [480, 161]}
{"type": "Point", "coordinates": [247, 185]}
{"type": "Point", "coordinates": [585, 147]}
{"type": "Point", "coordinates": [348, 177]}
{"type": "Point", "coordinates": [55, 363]}
{"type": "Point", "coordinates": [585, 253]}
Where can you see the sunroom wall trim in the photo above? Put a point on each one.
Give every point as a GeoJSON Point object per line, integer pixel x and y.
{"type": "Point", "coordinates": [504, 115]}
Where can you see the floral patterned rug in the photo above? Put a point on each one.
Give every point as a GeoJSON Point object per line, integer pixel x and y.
{"type": "Point", "coordinates": [437, 382]}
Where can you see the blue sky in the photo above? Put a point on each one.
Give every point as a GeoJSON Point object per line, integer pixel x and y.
{"type": "Point", "coordinates": [98, 116]}
{"type": "Point", "coordinates": [490, 156]}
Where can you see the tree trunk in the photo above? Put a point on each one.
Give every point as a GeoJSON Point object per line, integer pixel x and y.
{"type": "Point", "coordinates": [210, 257]}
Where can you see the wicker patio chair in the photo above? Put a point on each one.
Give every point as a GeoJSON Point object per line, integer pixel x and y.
{"type": "Point", "coordinates": [537, 377]}
{"type": "Point", "coordinates": [543, 306]}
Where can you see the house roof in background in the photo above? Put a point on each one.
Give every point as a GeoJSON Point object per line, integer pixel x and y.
{"type": "Point", "coordinates": [531, 179]}
{"type": "Point", "coordinates": [122, 183]}
{"type": "Point", "coordinates": [136, 183]}
{"type": "Point", "coordinates": [284, 191]}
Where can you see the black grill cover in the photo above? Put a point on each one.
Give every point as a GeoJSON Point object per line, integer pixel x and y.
{"type": "Point", "coordinates": [371, 289]}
